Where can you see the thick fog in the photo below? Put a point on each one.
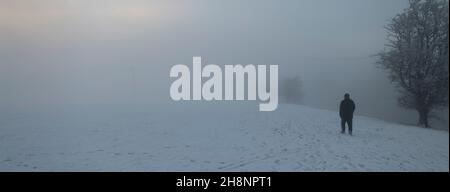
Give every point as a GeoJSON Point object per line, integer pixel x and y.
{"type": "Point", "coordinates": [78, 54]}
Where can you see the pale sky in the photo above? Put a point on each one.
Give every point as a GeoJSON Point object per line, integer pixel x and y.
{"type": "Point", "coordinates": [90, 53]}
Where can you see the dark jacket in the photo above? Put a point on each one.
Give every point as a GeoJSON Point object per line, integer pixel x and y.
{"type": "Point", "coordinates": [346, 109]}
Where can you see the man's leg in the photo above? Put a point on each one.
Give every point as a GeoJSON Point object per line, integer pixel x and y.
{"type": "Point", "coordinates": [342, 126]}
{"type": "Point", "coordinates": [350, 126]}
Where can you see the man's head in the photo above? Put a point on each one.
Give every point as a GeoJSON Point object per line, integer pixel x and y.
{"type": "Point", "coordinates": [347, 96]}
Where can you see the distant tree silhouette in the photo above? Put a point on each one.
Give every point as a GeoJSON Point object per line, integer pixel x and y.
{"type": "Point", "coordinates": [417, 55]}
{"type": "Point", "coordinates": [291, 90]}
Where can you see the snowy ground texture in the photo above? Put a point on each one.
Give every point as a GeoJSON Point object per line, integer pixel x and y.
{"type": "Point", "coordinates": [293, 138]}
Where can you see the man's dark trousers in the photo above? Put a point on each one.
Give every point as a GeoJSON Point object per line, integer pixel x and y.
{"type": "Point", "coordinates": [349, 124]}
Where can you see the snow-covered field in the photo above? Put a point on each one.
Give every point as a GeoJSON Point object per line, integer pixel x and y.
{"type": "Point", "coordinates": [293, 138]}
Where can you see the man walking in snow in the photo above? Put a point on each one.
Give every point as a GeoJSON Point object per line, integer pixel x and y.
{"type": "Point", "coordinates": [346, 109]}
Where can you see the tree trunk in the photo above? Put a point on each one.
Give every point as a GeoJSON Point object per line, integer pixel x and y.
{"type": "Point", "coordinates": [423, 117]}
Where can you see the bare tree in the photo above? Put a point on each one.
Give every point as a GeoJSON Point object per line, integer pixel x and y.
{"type": "Point", "coordinates": [417, 56]}
{"type": "Point", "coordinates": [291, 90]}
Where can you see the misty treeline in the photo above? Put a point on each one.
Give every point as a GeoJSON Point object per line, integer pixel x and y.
{"type": "Point", "coordinates": [291, 90]}
{"type": "Point", "coordinates": [417, 56]}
